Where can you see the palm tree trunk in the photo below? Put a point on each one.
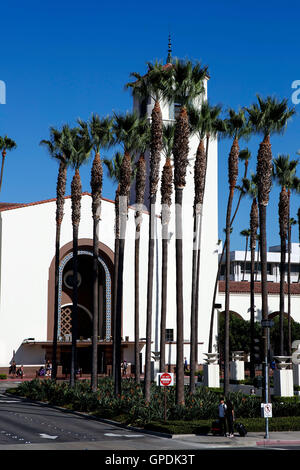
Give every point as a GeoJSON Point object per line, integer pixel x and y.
{"type": "Point", "coordinates": [95, 305]}
{"type": "Point", "coordinates": [76, 190]}
{"type": "Point", "coordinates": [289, 278]}
{"type": "Point", "coordinates": [264, 279]}
{"type": "Point", "coordinates": [56, 295]}
{"type": "Point", "coordinates": [253, 239]}
{"type": "Point", "coordinates": [115, 284]}
{"type": "Point", "coordinates": [60, 200]}
{"type": "Point", "coordinates": [252, 312]}
{"type": "Point", "coordinates": [179, 300]}
{"type": "Point", "coordinates": [137, 308]}
{"type": "Point", "coordinates": [193, 307]}
{"type": "Point", "coordinates": [2, 168]}
{"type": "Point", "coordinates": [75, 308]}
{"type": "Point", "coordinates": [227, 295]}
{"type": "Point", "coordinates": [283, 224]}
{"type": "Point", "coordinates": [212, 314]}
{"type": "Point", "coordinates": [245, 260]}
{"type": "Point", "coordinates": [147, 379]}
{"type": "Point", "coordinates": [164, 290]}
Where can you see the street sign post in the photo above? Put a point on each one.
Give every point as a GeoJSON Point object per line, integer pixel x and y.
{"type": "Point", "coordinates": [165, 379]}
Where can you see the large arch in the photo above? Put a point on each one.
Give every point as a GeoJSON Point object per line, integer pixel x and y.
{"type": "Point", "coordinates": [108, 287]}
{"type": "Point", "coordinates": [106, 261]}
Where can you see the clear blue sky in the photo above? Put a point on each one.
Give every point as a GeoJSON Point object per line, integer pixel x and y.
{"type": "Point", "coordinates": [68, 59]}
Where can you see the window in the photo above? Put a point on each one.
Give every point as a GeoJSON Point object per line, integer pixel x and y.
{"type": "Point", "coordinates": [169, 335]}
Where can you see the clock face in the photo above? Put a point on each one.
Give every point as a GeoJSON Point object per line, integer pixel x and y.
{"type": "Point", "coordinates": [69, 279]}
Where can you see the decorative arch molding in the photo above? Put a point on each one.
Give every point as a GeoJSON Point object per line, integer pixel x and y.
{"type": "Point", "coordinates": [277, 313]}
{"type": "Point", "coordinates": [85, 244]}
{"type": "Point", "coordinates": [108, 285]}
{"type": "Point", "coordinates": [233, 313]}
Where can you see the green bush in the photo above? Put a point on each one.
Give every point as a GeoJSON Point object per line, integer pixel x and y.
{"type": "Point", "coordinates": [202, 405]}
{"type": "Point", "coordinates": [3, 376]}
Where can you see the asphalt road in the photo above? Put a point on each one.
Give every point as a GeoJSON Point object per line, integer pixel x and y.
{"type": "Point", "coordinates": [26, 425]}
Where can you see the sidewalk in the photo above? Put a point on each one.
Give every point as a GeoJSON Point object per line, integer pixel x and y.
{"type": "Point", "coordinates": [252, 439]}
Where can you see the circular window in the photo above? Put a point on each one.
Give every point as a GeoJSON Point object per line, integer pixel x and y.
{"type": "Point", "coordinates": [68, 279]}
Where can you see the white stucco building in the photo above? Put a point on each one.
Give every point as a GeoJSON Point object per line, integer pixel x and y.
{"type": "Point", "coordinates": [27, 274]}
{"type": "Point", "coordinates": [27, 250]}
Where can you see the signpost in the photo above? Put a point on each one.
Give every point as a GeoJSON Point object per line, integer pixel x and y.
{"type": "Point", "coordinates": [165, 379]}
{"type": "Point", "coordinates": [267, 407]}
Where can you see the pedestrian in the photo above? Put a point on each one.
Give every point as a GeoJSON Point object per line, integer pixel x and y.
{"type": "Point", "coordinates": [222, 416]}
{"type": "Point", "coordinates": [48, 368]}
{"type": "Point", "coordinates": [230, 417]}
{"type": "Point", "coordinates": [124, 367]}
{"type": "Point", "coordinates": [185, 365]}
{"type": "Point", "coordinates": [13, 368]}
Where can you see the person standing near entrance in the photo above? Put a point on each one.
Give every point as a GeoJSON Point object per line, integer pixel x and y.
{"type": "Point", "coordinates": [230, 417]}
{"type": "Point", "coordinates": [222, 416]}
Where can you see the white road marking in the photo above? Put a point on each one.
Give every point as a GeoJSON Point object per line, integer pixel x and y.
{"type": "Point", "coordinates": [47, 436]}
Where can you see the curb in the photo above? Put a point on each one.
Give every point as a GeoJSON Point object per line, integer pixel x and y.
{"type": "Point", "coordinates": [270, 442]}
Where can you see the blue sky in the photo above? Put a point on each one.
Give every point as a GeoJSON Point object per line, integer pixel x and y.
{"type": "Point", "coordinates": [64, 60]}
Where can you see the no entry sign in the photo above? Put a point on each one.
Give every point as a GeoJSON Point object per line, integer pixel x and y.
{"type": "Point", "coordinates": [165, 379]}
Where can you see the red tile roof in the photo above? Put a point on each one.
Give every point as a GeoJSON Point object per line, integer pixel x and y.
{"type": "Point", "coordinates": [244, 286]}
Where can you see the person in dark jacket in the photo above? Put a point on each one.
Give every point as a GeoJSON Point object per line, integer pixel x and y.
{"type": "Point", "coordinates": [230, 417]}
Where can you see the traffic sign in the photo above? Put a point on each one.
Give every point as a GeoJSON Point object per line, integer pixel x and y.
{"type": "Point", "coordinates": [267, 323]}
{"type": "Point", "coordinates": [165, 379]}
{"type": "Point", "coordinates": [266, 409]}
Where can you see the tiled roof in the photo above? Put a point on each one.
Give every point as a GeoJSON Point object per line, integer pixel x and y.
{"type": "Point", "coordinates": [244, 286]}
{"type": "Point", "coordinates": [4, 206]}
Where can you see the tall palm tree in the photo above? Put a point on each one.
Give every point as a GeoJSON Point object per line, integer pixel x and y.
{"type": "Point", "coordinates": [245, 233]}
{"type": "Point", "coordinates": [127, 133]}
{"type": "Point", "coordinates": [60, 149]}
{"type": "Point", "coordinates": [243, 156]}
{"type": "Point", "coordinates": [81, 149]}
{"type": "Point", "coordinates": [152, 86]}
{"type": "Point", "coordinates": [283, 172]}
{"type": "Point", "coordinates": [250, 188]}
{"type": "Point", "coordinates": [298, 221]}
{"type": "Point", "coordinates": [267, 117]}
{"type": "Point", "coordinates": [185, 89]}
{"type": "Point", "coordinates": [204, 123]}
{"type": "Point", "coordinates": [99, 131]}
{"type": "Point", "coordinates": [6, 144]}
{"type": "Point", "coordinates": [113, 167]}
{"type": "Point", "coordinates": [291, 223]}
{"type": "Point", "coordinates": [236, 128]}
{"type": "Point", "coordinates": [166, 193]}
{"type": "Point", "coordinates": [142, 144]}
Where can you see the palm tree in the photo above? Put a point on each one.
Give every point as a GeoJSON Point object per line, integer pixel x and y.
{"type": "Point", "coordinates": [267, 117]}
{"type": "Point", "coordinates": [283, 172]}
{"type": "Point", "coordinates": [236, 128]}
{"type": "Point", "coordinates": [243, 156]}
{"type": "Point", "coordinates": [99, 130]}
{"type": "Point", "coordinates": [245, 233]}
{"type": "Point", "coordinates": [127, 133]}
{"type": "Point", "coordinates": [166, 193]}
{"type": "Point", "coordinates": [186, 87]}
{"type": "Point", "coordinates": [113, 167]}
{"type": "Point", "coordinates": [141, 146]}
{"type": "Point", "coordinates": [81, 149]}
{"type": "Point", "coordinates": [250, 188]}
{"type": "Point", "coordinates": [205, 123]}
{"type": "Point", "coordinates": [291, 223]}
{"type": "Point", "coordinates": [6, 144]}
{"type": "Point", "coordinates": [298, 220]}
{"type": "Point", "coordinates": [58, 148]}
{"type": "Point", "coordinates": [152, 85]}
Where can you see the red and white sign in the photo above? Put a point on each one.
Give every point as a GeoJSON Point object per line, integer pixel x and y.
{"type": "Point", "coordinates": [165, 379]}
